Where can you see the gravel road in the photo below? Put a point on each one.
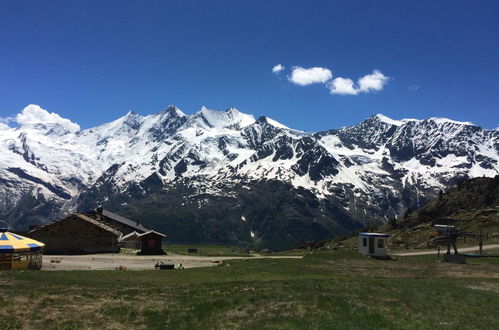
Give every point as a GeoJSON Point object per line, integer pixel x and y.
{"type": "Point", "coordinates": [425, 252]}
{"type": "Point", "coordinates": [108, 261]}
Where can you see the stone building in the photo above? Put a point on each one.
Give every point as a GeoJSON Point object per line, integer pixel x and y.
{"type": "Point", "coordinates": [77, 234]}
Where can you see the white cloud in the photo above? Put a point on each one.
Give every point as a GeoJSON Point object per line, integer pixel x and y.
{"type": "Point", "coordinates": [369, 83]}
{"type": "Point", "coordinates": [34, 114]}
{"type": "Point", "coordinates": [414, 88]}
{"type": "Point", "coordinates": [3, 126]}
{"type": "Point", "coordinates": [372, 82]}
{"type": "Point", "coordinates": [315, 75]}
{"type": "Point", "coordinates": [343, 86]}
{"type": "Point", "coordinates": [278, 68]}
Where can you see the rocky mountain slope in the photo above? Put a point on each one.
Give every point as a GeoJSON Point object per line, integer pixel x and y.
{"type": "Point", "coordinates": [226, 177]}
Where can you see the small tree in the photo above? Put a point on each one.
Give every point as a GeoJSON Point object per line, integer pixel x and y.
{"type": "Point", "coordinates": [407, 213]}
{"type": "Point", "coordinates": [393, 223]}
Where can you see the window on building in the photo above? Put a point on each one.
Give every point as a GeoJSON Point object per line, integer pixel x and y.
{"type": "Point", "coordinates": [380, 243]}
{"type": "Point", "coordinates": [364, 241]}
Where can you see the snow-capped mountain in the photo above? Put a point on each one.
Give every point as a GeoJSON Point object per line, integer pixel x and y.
{"type": "Point", "coordinates": [170, 168]}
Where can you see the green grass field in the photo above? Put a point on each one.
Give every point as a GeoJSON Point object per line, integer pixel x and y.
{"type": "Point", "coordinates": [332, 289]}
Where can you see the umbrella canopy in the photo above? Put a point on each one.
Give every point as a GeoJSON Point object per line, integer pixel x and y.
{"type": "Point", "coordinates": [10, 243]}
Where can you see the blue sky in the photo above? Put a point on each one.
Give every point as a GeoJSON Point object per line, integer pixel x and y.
{"type": "Point", "coordinates": [92, 61]}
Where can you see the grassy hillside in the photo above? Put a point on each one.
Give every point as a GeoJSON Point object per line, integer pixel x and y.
{"type": "Point", "coordinates": [472, 205]}
{"type": "Point", "coordinates": [479, 194]}
{"type": "Point", "coordinates": [330, 289]}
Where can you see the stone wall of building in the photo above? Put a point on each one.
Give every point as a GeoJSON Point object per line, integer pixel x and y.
{"type": "Point", "coordinates": [74, 235]}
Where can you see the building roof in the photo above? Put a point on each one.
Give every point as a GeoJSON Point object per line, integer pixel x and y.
{"type": "Point", "coordinates": [98, 224]}
{"type": "Point", "coordinates": [374, 235]}
{"type": "Point", "coordinates": [125, 221]}
{"type": "Point", "coordinates": [84, 218]}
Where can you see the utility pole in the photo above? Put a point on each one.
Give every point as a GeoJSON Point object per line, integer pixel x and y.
{"type": "Point", "coordinates": [481, 236]}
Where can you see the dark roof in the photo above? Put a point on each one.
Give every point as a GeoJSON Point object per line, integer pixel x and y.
{"type": "Point", "coordinates": [125, 221]}
{"type": "Point", "coordinates": [374, 235]}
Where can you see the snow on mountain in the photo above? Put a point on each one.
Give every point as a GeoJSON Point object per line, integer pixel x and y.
{"type": "Point", "coordinates": [275, 123]}
{"type": "Point", "coordinates": [389, 121]}
{"type": "Point", "coordinates": [230, 118]}
{"type": "Point", "coordinates": [374, 169]}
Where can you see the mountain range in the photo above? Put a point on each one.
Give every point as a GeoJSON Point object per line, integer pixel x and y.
{"type": "Point", "coordinates": [227, 177]}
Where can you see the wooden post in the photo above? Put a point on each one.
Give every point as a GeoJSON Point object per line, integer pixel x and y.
{"type": "Point", "coordinates": [480, 241]}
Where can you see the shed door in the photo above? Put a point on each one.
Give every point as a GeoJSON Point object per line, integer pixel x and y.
{"type": "Point", "coordinates": [371, 244]}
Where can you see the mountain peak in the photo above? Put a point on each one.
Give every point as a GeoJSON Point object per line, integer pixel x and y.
{"type": "Point", "coordinates": [272, 122]}
{"type": "Point", "coordinates": [439, 120]}
{"type": "Point", "coordinates": [233, 110]}
{"type": "Point", "coordinates": [382, 118]}
{"type": "Point", "coordinates": [131, 117]}
{"type": "Point", "coordinates": [173, 110]}
{"type": "Point", "coordinates": [230, 118]}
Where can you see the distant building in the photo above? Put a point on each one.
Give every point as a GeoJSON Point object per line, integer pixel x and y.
{"type": "Point", "coordinates": [150, 242]}
{"type": "Point", "coordinates": [373, 244]}
{"type": "Point", "coordinates": [100, 231]}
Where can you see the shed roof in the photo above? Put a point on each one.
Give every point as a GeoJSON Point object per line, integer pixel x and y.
{"type": "Point", "coordinates": [374, 234]}
{"type": "Point", "coordinates": [152, 233]}
{"type": "Point", "coordinates": [132, 235]}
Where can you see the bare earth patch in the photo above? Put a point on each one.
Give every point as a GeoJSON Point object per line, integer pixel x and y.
{"type": "Point", "coordinates": [486, 286]}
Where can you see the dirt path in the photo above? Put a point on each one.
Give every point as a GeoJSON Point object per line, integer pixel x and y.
{"type": "Point", "coordinates": [467, 249]}
{"type": "Point", "coordinates": [110, 261]}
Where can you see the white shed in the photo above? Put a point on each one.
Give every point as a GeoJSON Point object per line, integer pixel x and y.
{"type": "Point", "coordinates": [373, 244]}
